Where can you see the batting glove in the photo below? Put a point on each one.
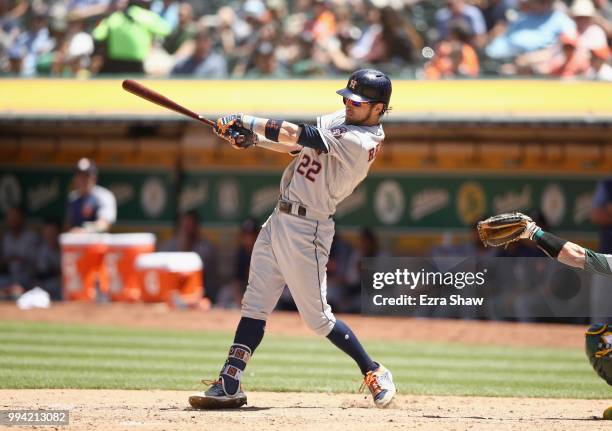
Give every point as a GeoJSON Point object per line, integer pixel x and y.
{"type": "Point", "coordinates": [223, 124]}
{"type": "Point", "coordinates": [240, 138]}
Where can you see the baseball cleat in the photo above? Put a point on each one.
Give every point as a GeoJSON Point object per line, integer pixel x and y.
{"type": "Point", "coordinates": [215, 397]}
{"type": "Point", "coordinates": [380, 384]}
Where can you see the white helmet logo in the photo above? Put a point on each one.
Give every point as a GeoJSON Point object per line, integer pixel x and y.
{"type": "Point", "coordinates": [352, 84]}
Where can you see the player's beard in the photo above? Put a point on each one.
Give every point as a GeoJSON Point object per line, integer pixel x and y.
{"type": "Point", "coordinates": [357, 121]}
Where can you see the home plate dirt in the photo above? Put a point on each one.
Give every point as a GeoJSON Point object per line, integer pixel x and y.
{"type": "Point", "coordinates": [169, 410]}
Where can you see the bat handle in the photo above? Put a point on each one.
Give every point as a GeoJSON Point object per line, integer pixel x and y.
{"type": "Point", "coordinates": [206, 121]}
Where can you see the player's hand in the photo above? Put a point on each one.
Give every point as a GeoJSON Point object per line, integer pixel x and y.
{"type": "Point", "coordinates": [223, 124]}
{"type": "Point", "coordinates": [531, 229]}
{"type": "Point", "coordinates": [240, 138]}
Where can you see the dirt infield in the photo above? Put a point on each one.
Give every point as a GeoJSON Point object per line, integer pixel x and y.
{"type": "Point", "coordinates": [384, 328]}
{"type": "Point", "coordinates": [101, 410]}
{"type": "Point", "coordinates": [166, 410]}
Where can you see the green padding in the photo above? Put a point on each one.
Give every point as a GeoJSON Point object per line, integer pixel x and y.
{"type": "Point", "coordinates": [599, 339]}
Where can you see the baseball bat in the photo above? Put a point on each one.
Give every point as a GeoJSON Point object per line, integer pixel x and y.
{"type": "Point", "coordinates": [154, 97]}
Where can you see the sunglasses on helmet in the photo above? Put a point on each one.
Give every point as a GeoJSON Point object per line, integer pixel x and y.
{"type": "Point", "coordinates": [354, 103]}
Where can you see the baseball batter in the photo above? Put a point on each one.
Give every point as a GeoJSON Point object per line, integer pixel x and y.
{"type": "Point", "coordinates": [292, 249]}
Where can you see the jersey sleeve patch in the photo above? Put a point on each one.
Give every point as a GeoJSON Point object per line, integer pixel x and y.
{"type": "Point", "coordinates": [338, 131]}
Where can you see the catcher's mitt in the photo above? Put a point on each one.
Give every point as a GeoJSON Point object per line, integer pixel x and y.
{"type": "Point", "coordinates": [503, 229]}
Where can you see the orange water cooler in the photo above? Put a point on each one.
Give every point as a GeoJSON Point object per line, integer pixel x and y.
{"type": "Point", "coordinates": [83, 265]}
{"type": "Point", "coordinates": [171, 277]}
{"type": "Point", "coordinates": [120, 264]}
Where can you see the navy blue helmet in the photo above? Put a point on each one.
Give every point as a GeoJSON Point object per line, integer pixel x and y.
{"type": "Point", "coordinates": [368, 85]}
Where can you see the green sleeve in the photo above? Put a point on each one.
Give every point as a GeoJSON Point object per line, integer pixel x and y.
{"type": "Point", "coordinates": [597, 262]}
{"type": "Point", "coordinates": [153, 22]}
{"type": "Point", "coordinates": [101, 31]}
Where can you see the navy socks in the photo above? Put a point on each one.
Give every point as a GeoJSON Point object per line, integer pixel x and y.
{"type": "Point", "coordinates": [250, 332]}
{"type": "Point", "coordinates": [342, 336]}
{"type": "Point", "coordinates": [248, 336]}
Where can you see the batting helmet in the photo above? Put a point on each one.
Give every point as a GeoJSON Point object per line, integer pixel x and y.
{"type": "Point", "coordinates": [368, 85]}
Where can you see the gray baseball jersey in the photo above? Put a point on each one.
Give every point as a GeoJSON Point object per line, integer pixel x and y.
{"type": "Point", "coordinates": [321, 181]}
{"type": "Point", "coordinates": [293, 250]}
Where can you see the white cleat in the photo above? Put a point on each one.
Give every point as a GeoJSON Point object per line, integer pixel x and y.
{"type": "Point", "coordinates": [380, 384]}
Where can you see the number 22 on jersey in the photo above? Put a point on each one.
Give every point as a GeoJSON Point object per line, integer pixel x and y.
{"type": "Point", "coordinates": [309, 167]}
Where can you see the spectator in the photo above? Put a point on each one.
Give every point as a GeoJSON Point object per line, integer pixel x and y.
{"type": "Point", "coordinates": [601, 216]}
{"type": "Point", "coordinates": [577, 47]}
{"type": "Point", "coordinates": [168, 10]}
{"type": "Point", "coordinates": [91, 208]}
{"type": "Point", "coordinates": [184, 31]}
{"type": "Point", "coordinates": [255, 16]}
{"type": "Point", "coordinates": [567, 62]}
{"type": "Point", "coordinates": [394, 39]}
{"type": "Point", "coordinates": [277, 10]}
{"type": "Point", "coordinates": [590, 35]}
{"type": "Point", "coordinates": [603, 17]}
{"type": "Point", "coordinates": [31, 45]}
{"type": "Point", "coordinates": [73, 54]}
{"type": "Point", "coordinates": [244, 52]}
{"type": "Point", "coordinates": [461, 10]}
{"type": "Point", "coordinates": [230, 295]}
{"type": "Point", "coordinates": [265, 64]}
{"type": "Point", "coordinates": [204, 62]}
{"type": "Point", "coordinates": [48, 274]}
{"type": "Point", "coordinates": [189, 238]}
{"type": "Point", "coordinates": [599, 68]}
{"type": "Point", "coordinates": [10, 12]}
{"type": "Point", "coordinates": [293, 48]}
{"type": "Point", "coordinates": [87, 9]}
{"type": "Point", "coordinates": [454, 57]}
{"type": "Point", "coordinates": [361, 50]}
{"type": "Point", "coordinates": [497, 14]}
{"type": "Point", "coordinates": [126, 36]}
{"type": "Point", "coordinates": [323, 24]}
{"type": "Point", "coordinates": [539, 27]}
{"type": "Point", "coordinates": [401, 40]}
{"type": "Point", "coordinates": [347, 30]}
{"type": "Point", "coordinates": [19, 245]}
{"type": "Point", "coordinates": [13, 11]}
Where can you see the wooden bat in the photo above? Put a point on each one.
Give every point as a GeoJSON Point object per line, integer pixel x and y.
{"type": "Point", "coordinates": [154, 97]}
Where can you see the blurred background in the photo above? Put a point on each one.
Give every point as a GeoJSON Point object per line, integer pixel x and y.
{"type": "Point", "coordinates": [497, 106]}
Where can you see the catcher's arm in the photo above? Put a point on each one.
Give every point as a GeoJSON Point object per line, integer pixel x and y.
{"type": "Point", "coordinates": [580, 257]}
{"type": "Point", "coordinates": [503, 229]}
{"type": "Point", "coordinates": [569, 253]}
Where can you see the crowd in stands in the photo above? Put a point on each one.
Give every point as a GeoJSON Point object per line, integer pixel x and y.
{"type": "Point", "coordinates": [212, 39]}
